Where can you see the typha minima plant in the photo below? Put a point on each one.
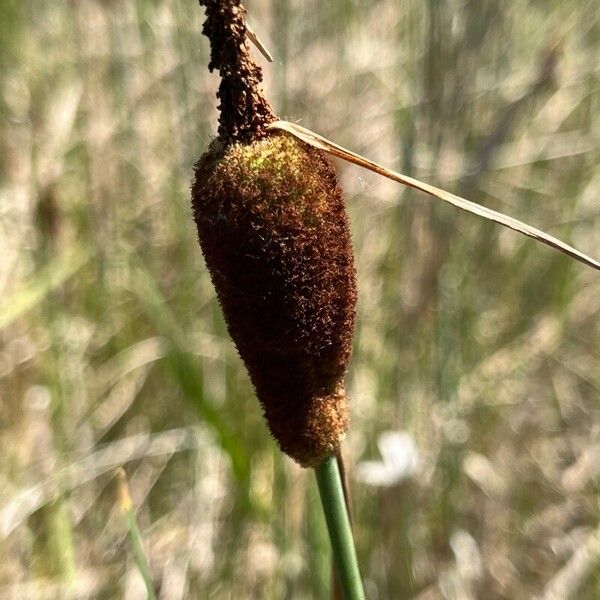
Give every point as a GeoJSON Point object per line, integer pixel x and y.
{"type": "Point", "coordinates": [275, 236]}
{"type": "Point", "coordinates": [273, 229]}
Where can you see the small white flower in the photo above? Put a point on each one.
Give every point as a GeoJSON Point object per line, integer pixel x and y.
{"type": "Point", "coordinates": [400, 460]}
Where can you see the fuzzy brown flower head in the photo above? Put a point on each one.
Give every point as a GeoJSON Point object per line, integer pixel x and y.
{"type": "Point", "coordinates": [274, 232]}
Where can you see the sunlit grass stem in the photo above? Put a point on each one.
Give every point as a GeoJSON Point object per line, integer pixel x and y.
{"type": "Point", "coordinates": [338, 525]}
{"type": "Point", "coordinates": [133, 533]}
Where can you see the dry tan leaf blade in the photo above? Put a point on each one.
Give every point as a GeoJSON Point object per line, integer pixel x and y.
{"type": "Point", "coordinates": [258, 43]}
{"type": "Point", "coordinates": [318, 141]}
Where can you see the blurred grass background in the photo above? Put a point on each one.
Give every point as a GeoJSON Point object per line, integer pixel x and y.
{"type": "Point", "coordinates": [482, 346]}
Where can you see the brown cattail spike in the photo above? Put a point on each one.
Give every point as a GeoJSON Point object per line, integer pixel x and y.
{"type": "Point", "coordinates": [273, 229]}
{"type": "Point", "coordinates": [274, 232]}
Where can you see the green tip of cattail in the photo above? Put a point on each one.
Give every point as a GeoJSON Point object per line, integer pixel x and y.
{"type": "Point", "coordinates": [274, 232]}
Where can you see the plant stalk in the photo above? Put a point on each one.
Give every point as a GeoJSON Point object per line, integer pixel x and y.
{"type": "Point", "coordinates": [134, 534]}
{"type": "Point", "coordinates": [338, 525]}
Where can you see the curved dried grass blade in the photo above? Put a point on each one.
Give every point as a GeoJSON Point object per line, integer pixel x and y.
{"type": "Point", "coordinates": [318, 141]}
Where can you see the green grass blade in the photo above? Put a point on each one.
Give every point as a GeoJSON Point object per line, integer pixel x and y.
{"type": "Point", "coordinates": [186, 373]}
{"type": "Point", "coordinates": [45, 281]}
{"type": "Point", "coordinates": [133, 533]}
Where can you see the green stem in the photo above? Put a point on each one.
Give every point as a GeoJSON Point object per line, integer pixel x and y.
{"type": "Point", "coordinates": [134, 534]}
{"type": "Point", "coordinates": [135, 539]}
{"type": "Point", "coordinates": [338, 524]}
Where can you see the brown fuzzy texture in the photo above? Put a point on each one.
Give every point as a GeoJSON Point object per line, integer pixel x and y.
{"type": "Point", "coordinates": [244, 111]}
{"type": "Point", "coordinates": [274, 232]}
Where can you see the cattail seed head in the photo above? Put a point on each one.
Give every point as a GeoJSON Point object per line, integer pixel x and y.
{"type": "Point", "coordinates": [275, 236]}
{"type": "Point", "coordinates": [273, 229]}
